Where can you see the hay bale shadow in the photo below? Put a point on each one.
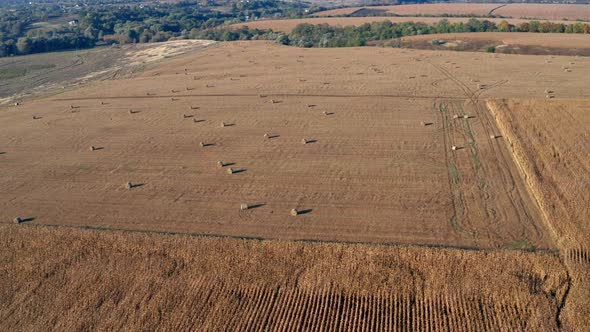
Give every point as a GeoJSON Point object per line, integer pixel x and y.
{"type": "Point", "coordinates": [22, 221]}
{"type": "Point", "coordinates": [306, 211]}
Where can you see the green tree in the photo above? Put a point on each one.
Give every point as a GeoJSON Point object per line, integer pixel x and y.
{"type": "Point", "coordinates": [24, 45]}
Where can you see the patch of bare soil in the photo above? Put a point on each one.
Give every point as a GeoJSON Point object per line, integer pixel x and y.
{"type": "Point", "coordinates": [45, 73]}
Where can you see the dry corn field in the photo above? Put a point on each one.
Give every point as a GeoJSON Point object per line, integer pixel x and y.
{"type": "Point", "coordinates": [428, 172]}
{"type": "Point", "coordinates": [186, 283]}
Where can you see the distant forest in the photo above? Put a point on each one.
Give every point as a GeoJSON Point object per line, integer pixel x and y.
{"type": "Point", "coordinates": [26, 29]}
{"type": "Point", "coordinates": [324, 35]}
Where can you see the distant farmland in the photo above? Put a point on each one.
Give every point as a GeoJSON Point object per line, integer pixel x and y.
{"type": "Point", "coordinates": [529, 11]}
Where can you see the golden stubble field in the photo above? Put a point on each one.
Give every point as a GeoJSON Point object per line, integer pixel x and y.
{"type": "Point", "coordinates": [372, 171]}
{"type": "Point", "coordinates": [378, 167]}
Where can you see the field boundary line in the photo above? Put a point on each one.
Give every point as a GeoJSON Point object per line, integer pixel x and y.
{"type": "Point", "coordinates": [260, 239]}
{"type": "Point", "coordinates": [268, 95]}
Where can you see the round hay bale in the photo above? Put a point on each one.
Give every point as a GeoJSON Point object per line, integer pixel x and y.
{"type": "Point", "coordinates": [454, 148]}
{"type": "Point", "coordinates": [220, 163]}
{"type": "Point", "coordinates": [266, 136]}
{"type": "Point", "coordinates": [202, 144]}
{"type": "Point", "coordinates": [17, 220]}
{"type": "Point", "coordinates": [244, 206]}
{"type": "Point", "coordinates": [465, 116]}
{"type": "Point", "coordinates": [455, 116]}
{"type": "Point", "coordinates": [304, 141]}
{"type": "Point", "coordinates": [294, 212]}
{"type": "Point", "coordinates": [128, 185]}
{"type": "Point", "coordinates": [223, 124]}
{"type": "Point", "coordinates": [230, 171]}
{"type": "Point", "coordinates": [92, 148]}
{"type": "Point", "coordinates": [492, 136]}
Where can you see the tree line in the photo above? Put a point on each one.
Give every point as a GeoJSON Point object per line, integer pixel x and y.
{"type": "Point", "coordinates": [324, 35]}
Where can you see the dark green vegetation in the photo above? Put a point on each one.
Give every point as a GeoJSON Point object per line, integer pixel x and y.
{"type": "Point", "coordinates": [26, 29]}
{"type": "Point", "coordinates": [323, 35]}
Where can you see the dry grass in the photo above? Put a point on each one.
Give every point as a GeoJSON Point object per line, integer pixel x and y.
{"type": "Point", "coordinates": [67, 279]}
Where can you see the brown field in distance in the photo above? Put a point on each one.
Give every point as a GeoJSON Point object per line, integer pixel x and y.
{"type": "Point", "coordinates": [557, 40]}
{"type": "Point", "coordinates": [503, 42]}
{"type": "Point", "coordinates": [467, 9]}
{"type": "Point", "coordinates": [513, 10]}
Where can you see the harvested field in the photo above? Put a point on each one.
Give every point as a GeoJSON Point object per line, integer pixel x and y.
{"type": "Point", "coordinates": [555, 40]}
{"type": "Point", "coordinates": [286, 25]}
{"type": "Point", "coordinates": [503, 42]}
{"type": "Point", "coordinates": [96, 280]}
{"type": "Point", "coordinates": [512, 10]}
{"type": "Point", "coordinates": [383, 177]}
{"type": "Point", "coordinates": [545, 11]}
